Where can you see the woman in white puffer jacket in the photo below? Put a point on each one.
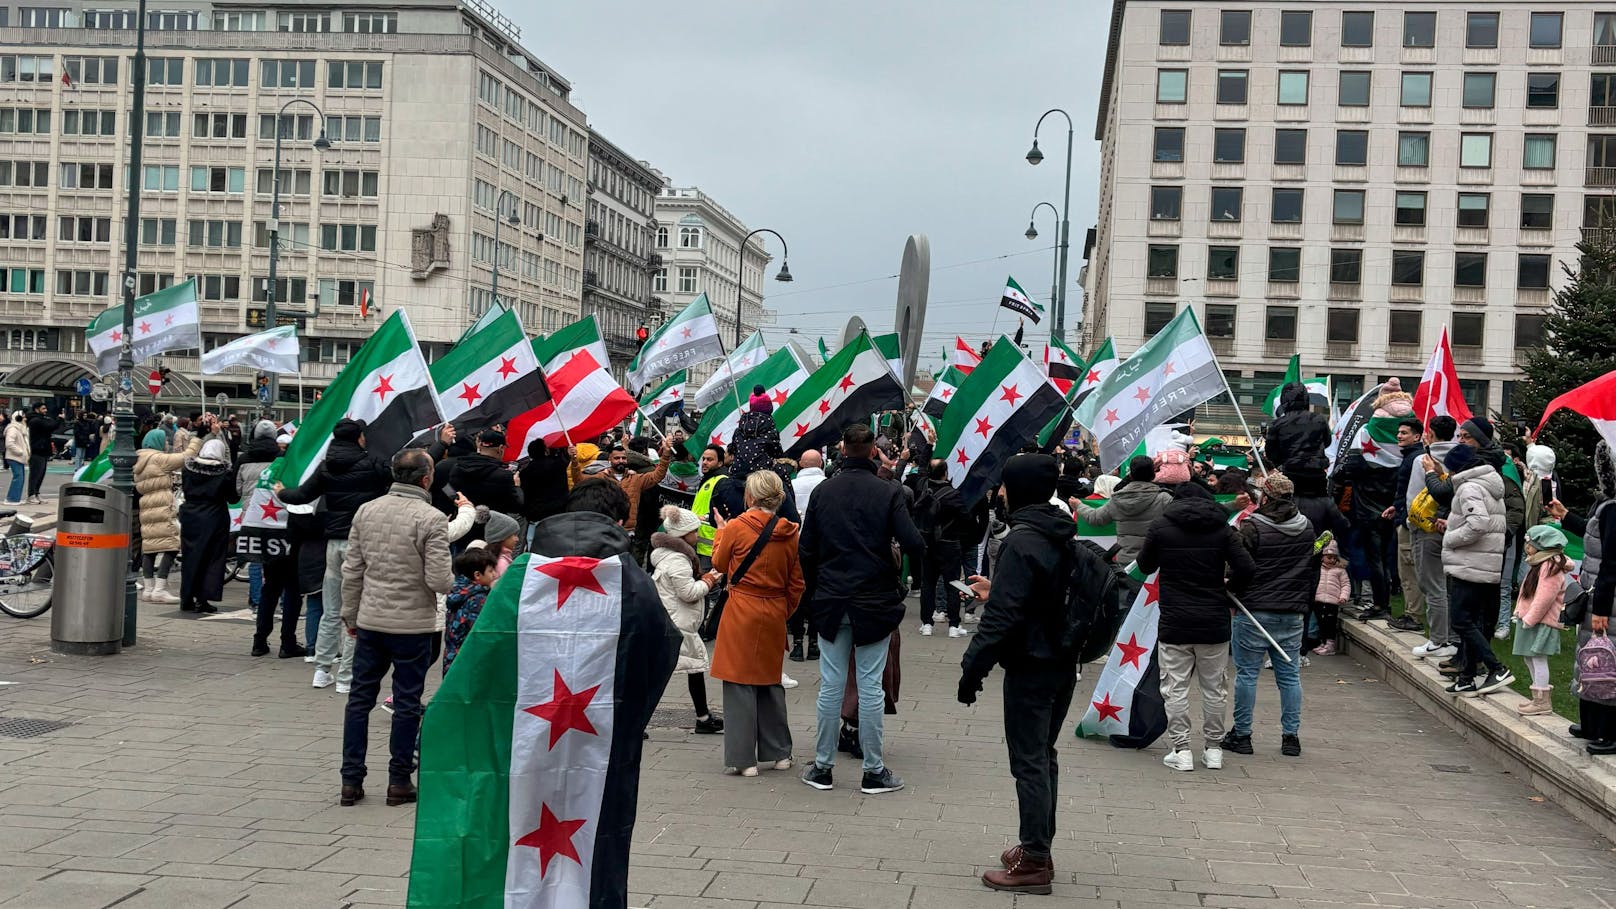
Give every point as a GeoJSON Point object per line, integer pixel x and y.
{"type": "Point", "coordinates": [1473, 560]}
{"type": "Point", "coordinates": [684, 596]}
{"type": "Point", "coordinates": [16, 456]}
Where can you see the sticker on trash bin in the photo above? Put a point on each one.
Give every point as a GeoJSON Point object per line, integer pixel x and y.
{"type": "Point", "coordinates": [68, 540]}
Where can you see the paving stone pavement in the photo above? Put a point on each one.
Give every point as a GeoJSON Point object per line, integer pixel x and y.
{"type": "Point", "coordinates": [196, 777]}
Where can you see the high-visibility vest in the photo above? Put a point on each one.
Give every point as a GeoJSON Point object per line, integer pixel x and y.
{"type": "Point", "coordinates": [703, 506]}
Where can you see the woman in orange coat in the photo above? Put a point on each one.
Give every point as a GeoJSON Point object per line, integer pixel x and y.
{"type": "Point", "coordinates": [751, 646]}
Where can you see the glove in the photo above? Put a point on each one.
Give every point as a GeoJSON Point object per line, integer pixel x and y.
{"type": "Point", "coordinates": [968, 688]}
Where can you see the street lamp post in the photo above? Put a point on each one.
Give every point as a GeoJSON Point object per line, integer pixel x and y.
{"type": "Point", "coordinates": [499, 208]}
{"type": "Point", "coordinates": [321, 143]}
{"type": "Point", "coordinates": [784, 274]}
{"type": "Point", "coordinates": [1054, 268]}
{"type": "Point", "coordinates": [1033, 157]}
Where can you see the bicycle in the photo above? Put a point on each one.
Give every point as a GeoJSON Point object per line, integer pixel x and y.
{"type": "Point", "coordinates": [27, 568]}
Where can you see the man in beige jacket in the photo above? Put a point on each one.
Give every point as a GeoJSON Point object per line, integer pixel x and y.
{"type": "Point", "coordinates": [396, 566]}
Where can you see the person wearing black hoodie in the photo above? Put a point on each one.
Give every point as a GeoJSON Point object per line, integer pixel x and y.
{"type": "Point", "coordinates": [1374, 492]}
{"type": "Point", "coordinates": [545, 480]}
{"type": "Point", "coordinates": [1021, 630]}
{"type": "Point", "coordinates": [1297, 437]}
{"type": "Point", "coordinates": [1195, 550]}
{"type": "Point", "coordinates": [483, 477]}
{"type": "Point", "coordinates": [945, 524]}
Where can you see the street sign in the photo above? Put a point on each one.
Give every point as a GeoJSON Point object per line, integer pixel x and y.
{"type": "Point", "coordinates": [82, 387]}
{"type": "Point", "coordinates": [100, 391]}
{"type": "Point", "coordinates": [126, 384]}
{"type": "Point", "coordinates": [154, 383]}
{"type": "Point", "coordinates": [124, 399]}
{"type": "Point", "coordinates": [263, 394]}
{"type": "Point", "coordinates": [221, 399]}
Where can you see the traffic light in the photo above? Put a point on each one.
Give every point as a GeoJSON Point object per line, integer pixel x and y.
{"type": "Point", "coordinates": [642, 334]}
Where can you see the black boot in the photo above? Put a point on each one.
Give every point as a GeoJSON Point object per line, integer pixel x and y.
{"type": "Point", "coordinates": [796, 648]}
{"type": "Point", "coordinates": [292, 650]}
{"type": "Point", "coordinates": [259, 647]}
{"type": "Point", "coordinates": [1600, 746]}
{"type": "Point", "coordinates": [1239, 744]}
{"type": "Point", "coordinates": [813, 648]}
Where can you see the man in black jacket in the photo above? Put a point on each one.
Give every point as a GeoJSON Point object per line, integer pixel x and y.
{"type": "Point", "coordinates": [945, 524]}
{"type": "Point", "coordinates": [41, 426]}
{"type": "Point", "coordinates": [1298, 435]}
{"type": "Point", "coordinates": [483, 477]}
{"type": "Point", "coordinates": [855, 598]}
{"type": "Point", "coordinates": [1021, 627]}
{"type": "Point", "coordinates": [349, 477]}
{"type": "Point", "coordinates": [1374, 491]}
{"type": "Point", "coordinates": [1280, 540]}
{"type": "Point", "coordinates": [545, 480]}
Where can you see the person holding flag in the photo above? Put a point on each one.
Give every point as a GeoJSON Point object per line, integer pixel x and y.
{"type": "Point", "coordinates": [1298, 436]}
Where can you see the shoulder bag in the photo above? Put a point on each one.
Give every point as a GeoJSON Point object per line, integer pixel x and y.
{"type": "Point", "coordinates": [715, 613]}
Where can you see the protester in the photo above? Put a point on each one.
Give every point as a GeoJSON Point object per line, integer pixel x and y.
{"type": "Point", "coordinates": [208, 484]}
{"type": "Point", "coordinates": [260, 451]}
{"type": "Point", "coordinates": [483, 477]}
{"type": "Point", "coordinates": [756, 447]}
{"type": "Point", "coordinates": [1596, 720]}
{"type": "Point", "coordinates": [1328, 598]}
{"type": "Point", "coordinates": [1538, 609]}
{"type": "Point", "coordinates": [474, 575]}
{"type": "Point", "coordinates": [546, 480]}
{"type": "Point", "coordinates": [683, 587]}
{"type": "Point", "coordinates": [810, 473]}
{"type": "Point", "coordinates": [1373, 495]}
{"type": "Point", "coordinates": [17, 454]}
{"type": "Point", "coordinates": [635, 484]}
{"type": "Point", "coordinates": [1298, 436]}
{"type": "Point", "coordinates": [1195, 549]}
{"type": "Point", "coordinates": [712, 471]}
{"type": "Point", "coordinates": [305, 530]}
{"type": "Point", "coordinates": [1133, 507]}
{"type": "Point", "coordinates": [501, 534]}
{"type": "Point", "coordinates": [1426, 520]}
{"type": "Point", "coordinates": [1411, 446]}
{"type": "Point", "coordinates": [945, 524]}
{"type": "Point", "coordinates": [41, 426]}
{"type": "Point", "coordinates": [1472, 556]}
{"type": "Point", "coordinates": [1278, 595]}
{"type": "Point", "coordinates": [855, 598]}
{"type": "Point", "coordinates": [156, 485]}
{"type": "Point", "coordinates": [85, 429]}
{"type": "Point", "coordinates": [279, 566]}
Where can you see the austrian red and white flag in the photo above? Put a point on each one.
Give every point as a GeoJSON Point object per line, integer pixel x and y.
{"type": "Point", "coordinates": [965, 358]}
{"type": "Point", "coordinates": [585, 401]}
{"type": "Point", "coordinates": [1439, 392]}
{"type": "Point", "coordinates": [1595, 400]}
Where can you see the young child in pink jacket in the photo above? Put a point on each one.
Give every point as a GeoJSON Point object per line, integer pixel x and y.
{"type": "Point", "coordinates": [1333, 590]}
{"type": "Point", "coordinates": [1538, 611]}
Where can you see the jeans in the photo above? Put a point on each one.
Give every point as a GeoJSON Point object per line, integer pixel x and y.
{"type": "Point", "coordinates": [1249, 648]}
{"type": "Point", "coordinates": [255, 582]}
{"type": "Point", "coordinates": [335, 644]}
{"type": "Point", "coordinates": [943, 563]}
{"type": "Point", "coordinates": [1208, 663]}
{"type": "Point", "coordinates": [1472, 603]}
{"type": "Point", "coordinates": [1373, 539]}
{"type": "Point", "coordinates": [313, 612]}
{"type": "Point", "coordinates": [1506, 582]}
{"type": "Point", "coordinates": [869, 661]}
{"type": "Point", "coordinates": [280, 583]}
{"type": "Point", "coordinates": [1407, 573]}
{"type": "Point", "coordinates": [1433, 583]}
{"type": "Point", "coordinates": [19, 476]}
{"type": "Point", "coordinates": [78, 456]}
{"type": "Point", "coordinates": [409, 656]}
{"type": "Point", "coordinates": [36, 473]}
{"type": "Point", "coordinates": [1036, 698]}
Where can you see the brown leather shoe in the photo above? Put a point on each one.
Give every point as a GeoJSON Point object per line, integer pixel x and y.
{"type": "Point", "coordinates": [1027, 875]}
{"type": "Point", "coordinates": [1009, 857]}
{"type": "Point", "coordinates": [400, 794]}
{"type": "Point", "coordinates": [351, 795]}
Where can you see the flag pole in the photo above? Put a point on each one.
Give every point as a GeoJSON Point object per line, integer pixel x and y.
{"type": "Point", "coordinates": [1271, 642]}
{"type": "Point", "coordinates": [1244, 426]}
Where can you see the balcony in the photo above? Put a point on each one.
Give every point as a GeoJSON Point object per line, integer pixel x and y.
{"type": "Point", "coordinates": [591, 231]}
{"type": "Point", "coordinates": [1599, 236]}
{"type": "Point", "coordinates": [1604, 53]}
{"type": "Point", "coordinates": [590, 279]}
{"type": "Point", "coordinates": [654, 260]}
{"type": "Point", "coordinates": [1601, 115]}
{"type": "Point", "coordinates": [1599, 176]}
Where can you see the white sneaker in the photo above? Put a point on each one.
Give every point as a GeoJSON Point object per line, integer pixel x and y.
{"type": "Point", "coordinates": [308, 658]}
{"type": "Point", "coordinates": [956, 631]}
{"type": "Point", "coordinates": [1501, 634]}
{"type": "Point", "coordinates": [343, 689]}
{"type": "Point", "coordinates": [970, 618]}
{"type": "Point", "coordinates": [1180, 760]}
{"type": "Point", "coordinates": [939, 616]}
{"type": "Point", "coordinates": [323, 679]}
{"type": "Point", "coordinates": [1212, 758]}
{"type": "Point", "coordinates": [787, 682]}
{"type": "Point", "coordinates": [1424, 650]}
{"type": "Point", "coordinates": [1305, 661]}
{"type": "Point", "coordinates": [1444, 652]}
{"type": "Point", "coordinates": [925, 630]}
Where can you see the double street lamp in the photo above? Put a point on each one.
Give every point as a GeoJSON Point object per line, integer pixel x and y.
{"type": "Point", "coordinates": [1032, 234]}
{"type": "Point", "coordinates": [516, 221]}
{"type": "Point", "coordinates": [1034, 157]}
{"type": "Point", "coordinates": [321, 143]}
{"type": "Point", "coordinates": [783, 276]}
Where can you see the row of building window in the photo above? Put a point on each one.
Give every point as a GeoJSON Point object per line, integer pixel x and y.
{"type": "Point", "coordinates": [1479, 90]}
{"type": "Point", "coordinates": [1341, 325]}
{"type": "Point", "coordinates": [496, 95]}
{"type": "Point", "coordinates": [339, 183]}
{"type": "Point", "coordinates": [207, 72]}
{"type": "Point", "coordinates": [1348, 205]}
{"type": "Point", "coordinates": [1346, 266]}
{"type": "Point", "coordinates": [362, 23]}
{"type": "Point", "coordinates": [1538, 150]}
{"type": "Point", "coordinates": [1544, 31]}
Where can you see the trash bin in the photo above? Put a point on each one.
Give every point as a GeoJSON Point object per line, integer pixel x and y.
{"type": "Point", "coordinates": [92, 567]}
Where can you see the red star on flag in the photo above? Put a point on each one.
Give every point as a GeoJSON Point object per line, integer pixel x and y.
{"type": "Point", "coordinates": [145, 327]}
{"type": "Point", "coordinates": [1111, 417]}
{"type": "Point", "coordinates": [271, 510]}
{"type": "Point", "coordinates": [469, 393]}
{"type": "Point", "coordinates": [779, 397]}
{"type": "Point", "coordinates": [1142, 394]}
{"type": "Point", "coordinates": [802, 430]}
{"type": "Point", "coordinates": [1092, 378]}
{"type": "Point", "coordinates": [117, 334]}
{"type": "Point", "coordinates": [384, 387]}
{"type": "Point", "coordinates": [168, 320]}
{"type": "Point", "coordinates": [982, 426]}
{"type": "Point", "coordinates": [553, 838]}
{"type": "Point", "coordinates": [236, 521]}
{"type": "Point", "coordinates": [685, 332]}
{"type": "Point", "coordinates": [824, 407]}
{"type": "Point", "coordinates": [1369, 446]}
{"type": "Point", "coordinates": [1131, 651]}
{"type": "Point", "coordinates": [1108, 710]}
{"type": "Point", "coordinates": [273, 343]}
{"type": "Point", "coordinates": [673, 393]}
{"type": "Point", "coordinates": [655, 403]}
{"type": "Point", "coordinates": [961, 458]}
{"type": "Point", "coordinates": [1010, 394]}
{"type": "Point", "coordinates": [573, 572]}
{"type": "Point", "coordinates": [1168, 369]}
{"type": "Point", "coordinates": [717, 439]}
{"type": "Point", "coordinates": [1152, 590]}
{"type": "Point", "coordinates": [662, 344]}
{"type": "Point", "coordinates": [846, 383]}
{"type": "Point", "coordinates": [947, 393]}
{"type": "Point", "coordinates": [507, 367]}
{"type": "Point", "coordinates": [565, 710]}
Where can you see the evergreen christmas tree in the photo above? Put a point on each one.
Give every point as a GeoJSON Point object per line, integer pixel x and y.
{"type": "Point", "coordinates": [1579, 337]}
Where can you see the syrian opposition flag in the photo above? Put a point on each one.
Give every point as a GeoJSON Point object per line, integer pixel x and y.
{"type": "Point", "coordinates": [1016, 300]}
{"type": "Point", "coordinates": [165, 320]}
{"type": "Point", "coordinates": [780, 375]}
{"type": "Point", "coordinates": [386, 384]}
{"type": "Point", "coordinates": [1096, 371]}
{"type": "Point", "coordinates": [683, 477]}
{"type": "Point", "coordinates": [1173, 372]}
{"type": "Point", "coordinates": [1439, 391]}
{"type": "Point", "coordinates": [97, 470]}
{"type": "Point", "coordinates": [891, 349]}
{"type": "Point", "coordinates": [1127, 699]}
{"type": "Point", "coordinates": [1346, 427]}
{"type": "Point", "coordinates": [741, 361]}
{"type": "Point", "coordinates": [1001, 406]}
{"type": "Point", "coordinates": [661, 402]}
{"type": "Point", "coordinates": [1376, 440]}
{"type": "Point", "coordinates": [585, 401]}
{"type": "Point", "coordinates": [489, 377]}
{"type": "Point", "coordinates": [1595, 400]}
{"type": "Point", "coordinates": [274, 351]}
{"type": "Point", "coordinates": [855, 384]}
{"type": "Point", "coordinates": [531, 747]}
{"type": "Point", "coordinates": [964, 358]}
{"type": "Point", "coordinates": [824, 352]}
{"type": "Point", "coordinates": [558, 348]}
{"type": "Point", "coordinates": [689, 338]}
{"type": "Point", "coordinates": [943, 389]}
{"type": "Point", "coordinates": [1062, 364]}
{"type": "Point", "coordinates": [1318, 389]}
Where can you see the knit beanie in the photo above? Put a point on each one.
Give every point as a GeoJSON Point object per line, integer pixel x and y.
{"type": "Point", "coordinates": [679, 521]}
{"type": "Point", "coordinates": [1462, 457]}
{"type": "Point", "coordinates": [760, 403]}
{"type": "Point", "coordinates": [500, 525]}
{"type": "Point", "coordinates": [1480, 429]}
{"type": "Point", "coordinates": [1546, 536]}
{"type": "Point", "coordinates": [1029, 479]}
{"type": "Point", "coordinates": [1279, 486]}
{"type": "Point", "coordinates": [263, 429]}
{"type": "Point", "coordinates": [348, 430]}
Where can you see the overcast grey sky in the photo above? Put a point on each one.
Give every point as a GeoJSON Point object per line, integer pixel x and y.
{"type": "Point", "coordinates": [846, 126]}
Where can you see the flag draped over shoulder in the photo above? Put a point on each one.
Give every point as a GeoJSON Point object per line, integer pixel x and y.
{"type": "Point", "coordinates": [1126, 701]}
{"type": "Point", "coordinates": [855, 384]}
{"type": "Point", "coordinates": [688, 338]}
{"type": "Point", "coordinates": [741, 361]}
{"type": "Point", "coordinates": [780, 375]}
{"type": "Point", "coordinates": [558, 348]}
{"type": "Point", "coordinates": [1018, 301]}
{"type": "Point", "coordinates": [659, 403]}
{"type": "Point", "coordinates": [1439, 392]}
{"type": "Point", "coordinates": [1376, 440]}
{"type": "Point", "coordinates": [489, 377]}
{"type": "Point", "coordinates": [275, 350]}
{"type": "Point", "coordinates": [165, 320]}
{"type": "Point", "coordinates": [1001, 406]}
{"type": "Point", "coordinates": [1595, 400]}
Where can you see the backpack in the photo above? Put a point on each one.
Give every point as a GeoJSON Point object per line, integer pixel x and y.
{"type": "Point", "coordinates": [1173, 466]}
{"type": "Point", "coordinates": [1422, 510]}
{"type": "Point", "coordinates": [1097, 594]}
{"type": "Point", "coordinates": [1596, 670]}
{"type": "Point", "coordinates": [927, 513]}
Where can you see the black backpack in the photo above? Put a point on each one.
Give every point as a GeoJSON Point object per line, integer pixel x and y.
{"type": "Point", "coordinates": [927, 512]}
{"type": "Point", "coordinates": [1097, 593]}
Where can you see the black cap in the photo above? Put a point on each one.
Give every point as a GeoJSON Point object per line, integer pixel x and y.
{"type": "Point", "coordinates": [1029, 479]}
{"type": "Point", "coordinates": [348, 430]}
{"type": "Point", "coordinates": [491, 438]}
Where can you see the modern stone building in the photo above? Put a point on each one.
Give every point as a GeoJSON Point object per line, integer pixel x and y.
{"type": "Point", "coordinates": [1346, 179]}
{"type": "Point", "coordinates": [437, 116]}
{"type": "Point", "coordinates": [620, 248]}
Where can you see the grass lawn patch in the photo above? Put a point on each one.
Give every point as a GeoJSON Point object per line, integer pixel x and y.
{"type": "Point", "coordinates": [1560, 665]}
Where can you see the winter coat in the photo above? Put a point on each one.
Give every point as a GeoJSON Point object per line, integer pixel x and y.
{"type": "Point", "coordinates": [751, 645]}
{"type": "Point", "coordinates": [954, 521]}
{"type": "Point", "coordinates": [209, 488]}
{"type": "Point", "coordinates": [1473, 547]}
{"type": "Point", "coordinates": [154, 484]}
{"type": "Point", "coordinates": [1280, 540]}
{"type": "Point", "coordinates": [847, 556]}
{"type": "Point", "coordinates": [1026, 606]}
{"type": "Point", "coordinates": [684, 596]}
{"type": "Point", "coordinates": [348, 478]}
{"type": "Point", "coordinates": [729, 499]}
{"type": "Point", "coordinates": [485, 481]}
{"type": "Point", "coordinates": [40, 429]}
{"type": "Point", "coordinates": [1373, 487]}
{"type": "Point", "coordinates": [307, 533]}
{"type": "Point", "coordinates": [1405, 469]}
{"type": "Point", "coordinates": [1133, 508]}
{"type": "Point", "coordinates": [397, 564]}
{"type": "Point", "coordinates": [1334, 586]}
{"type": "Point", "coordinates": [1298, 435]}
{"type": "Point", "coordinates": [1545, 602]}
{"type": "Point", "coordinates": [259, 454]}
{"type": "Point", "coordinates": [1194, 548]}
{"type": "Point", "coordinates": [1416, 480]}
{"type": "Point", "coordinates": [1514, 506]}
{"type": "Point", "coordinates": [634, 486]}
{"type": "Point", "coordinates": [17, 442]}
{"type": "Point", "coordinates": [546, 480]}
{"type": "Point", "coordinates": [462, 606]}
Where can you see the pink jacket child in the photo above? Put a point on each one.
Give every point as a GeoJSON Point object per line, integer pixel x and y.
{"type": "Point", "coordinates": [1334, 587]}
{"type": "Point", "coordinates": [1543, 606]}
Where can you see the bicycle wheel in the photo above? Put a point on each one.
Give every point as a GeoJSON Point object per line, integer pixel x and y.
{"type": "Point", "coordinates": [27, 594]}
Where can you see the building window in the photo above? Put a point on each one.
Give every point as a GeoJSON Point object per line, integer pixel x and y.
{"type": "Point", "coordinates": [1175, 28]}
{"type": "Point", "coordinates": [171, 21]}
{"type": "Point", "coordinates": [659, 281]}
{"type": "Point", "coordinates": [1601, 151]}
{"type": "Point", "coordinates": [1539, 152]}
{"type": "Point", "coordinates": [1410, 209]}
{"type": "Point", "coordinates": [349, 237]}
{"type": "Point", "coordinates": [1413, 149]}
{"type": "Point", "coordinates": [1416, 90]}
{"type": "Point", "coordinates": [1546, 29]}
{"type": "Point", "coordinates": [286, 74]}
{"type": "Point", "coordinates": [1481, 30]}
{"type": "Point", "coordinates": [1172, 86]}
{"type": "Point", "coordinates": [160, 178]}
{"type": "Point", "coordinates": [354, 74]}
{"type": "Point", "coordinates": [86, 176]}
{"type": "Point", "coordinates": [218, 179]}
{"type": "Point", "coordinates": [215, 234]}
{"type": "Point", "coordinates": [1357, 29]}
{"type": "Point", "coordinates": [1419, 29]}
{"type": "Point", "coordinates": [1157, 317]}
{"type": "Point", "coordinates": [1476, 150]}
{"type": "Point", "coordinates": [1293, 87]}
{"type": "Point", "coordinates": [292, 182]}
{"type": "Point", "coordinates": [1290, 146]}
{"type": "Point", "coordinates": [349, 128]}
{"type": "Point", "coordinates": [1602, 90]}
{"type": "Point", "coordinates": [1528, 330]}
{"type": "Point", "coordinates": [1408, 266]}
{"type": "Point", "coordinates": [238, 22]}
{"type": "Point", "coordinates": [1469, 329]}
{"type": "Point", "coordinates": [220, 73]}
{"type": "Point", "coordinates": [1229, 146]}
{"type": "Point", "coordinates": [92, 70]}
{"type": "Point", "coordinates": [1232, 86]}
{"type": "Point", "coordinates": [165, 71]}
{"type": "Point", "coordinates": [1165, 202]}
{"type": "Point", "coordinates": [1353, 90]}
{"type": "Point", "coordinates": [305, 22]}
{"type": "Point", "coordinates": [1279, 323]}
{"type": "Point", "coordinates": [690, 238]}
{"type": "Point", "coordinates": [1480, 89]}
{"type": "Point", "coordinates": [1349, 206]}
{"type": "Point", "coordinates": [1599, 211]}
{"type": "Point", "coordinates": [1470, 269]}
{"type": "Point", "coordinates": [1234, 27]}
{"type": "Point", "coordinates": [1296, 28]}
{"type": "Point", "coordinates": [687, 280]}
{"type": "Point", "coordinates": [1226, 203]}
{"type": "Point", "coordinates": [1285, 264]}
{"type": "Point", "coordinates": [370, 23]}
{"type": "Point", "coordinates": [662, 236]}
{"type": "Point", "coordinates": [1403, 327]}
{"type": "Point", "coordinates": [353, 183]}
{"type": "Point", "coordinates": [81, 283]}
{"type": "Point", "coordinates": [1346, 266]}
{"type": "Point", "coordinates": [1341, 326]}
{"type": "Point", "coordinates": [1473, 209]}
{"type": "Point", "coordinates": [1537, 211]}
{"type": "Point", "coordinates": [107, 19]}
{"type": "Point", "coordinates": [1223, 263]}
{"type": "Point", "coordinates": [1169, 147]}
{"type": "Point", "coordinates": [1532, 272]}
{"type": "Point", "coordinates": [218, 126]}
{"type": "Point", "coordinates": [32, 121]}
{"type": "Point", "coordinates": [83, 229]}
{"type": "Point", "coordinates": [1220, 320]}
{"type": "Point", "coordinates": [1351, 147]}
{"type": "Point", "coordinates": [1543, 90]}
{"type": "Point", "coordinates": [1287, 206]}
{"type": "Point", "coordinates": [1604, 29]}
{"type": "Point", "coordinates": [1161, 262]}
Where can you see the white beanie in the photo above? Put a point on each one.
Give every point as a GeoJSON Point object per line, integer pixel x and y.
{"type": "Point", "coordinates": [679, 521]}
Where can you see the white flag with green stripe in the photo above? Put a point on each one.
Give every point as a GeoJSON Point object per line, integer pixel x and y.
{"type": "Point", "coordinates": [780, 375]}
{"type": "Point", "coordinates": [1020, 302]}
{"type": "Point", "coordinates": [688, 338]}
{"type": "Point", "coordinates": [165, 320]}
{"type": "Point", "coordinates": [741, 361]}
{"type": "Point", "coordinates": [1095, 371]}
{"type": "Point", "coordinates": [857, 383]}
{"type": "Point", "coordinates": [1000, 407]}
{"type": "Point", "coordinates": [555, 350]}
{"type": "Point", "coordinates": [659, 403]}
{"type": "Point", "coordinates": [943, 389]}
